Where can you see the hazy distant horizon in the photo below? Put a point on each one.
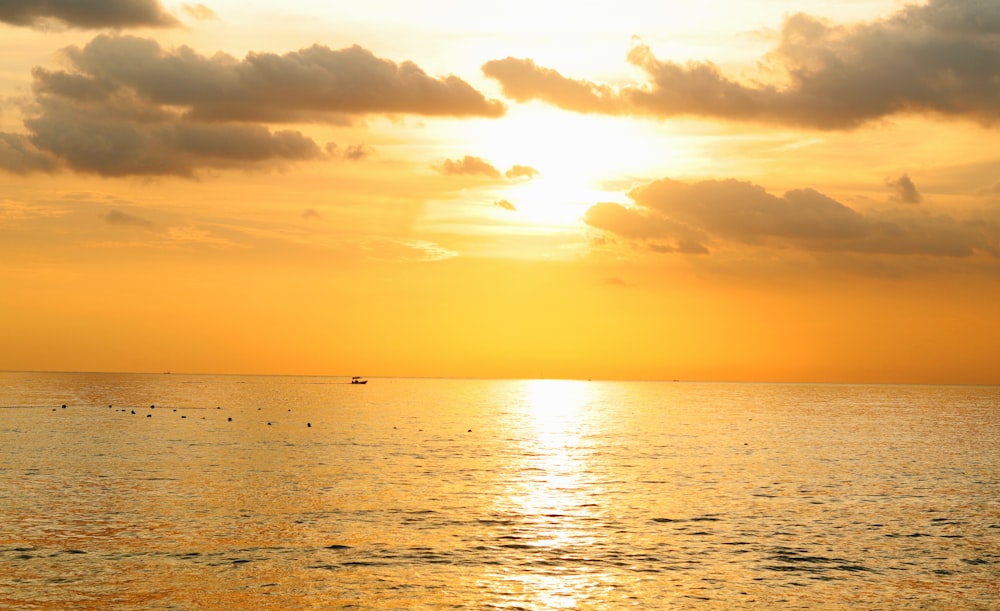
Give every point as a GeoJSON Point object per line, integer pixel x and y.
{"type": "Point", "coordinates": [488, 378]}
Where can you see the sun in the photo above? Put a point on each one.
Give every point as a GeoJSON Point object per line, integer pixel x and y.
{"type": "Point", "coordinates": [552, 201]}
{"type": "Point", "coordinates": [540, 170]}
{"type": "Point", "coordinates": [580, 160]}
{"type": "Point", "coordinates": [577, 160]}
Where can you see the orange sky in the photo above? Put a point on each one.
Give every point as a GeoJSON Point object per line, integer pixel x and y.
{"type": "Point", "coordinates": [726, 191]}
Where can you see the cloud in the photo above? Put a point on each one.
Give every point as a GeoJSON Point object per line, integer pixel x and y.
{"type": "Point", "coordinates": [357, 152]}
{"type": "Point", "coordinates": [354, 152]}
{"type": "Point", "coordinates": [117, 217]}
{"type": "Point", "coordinates": [199, 12]}
{"type": "Point", "coordinates": [387, 249]}
{"type": "Point", "coordinates": [746, 212]}
{"type": "Point", "coordinates": [468, 165]}
{"type": "Point", "coordinates": [127, 106]}
{"type": "Point", "coordinates": [118, 140]}
{"type": "Point", "coordinates": [939, 58]}
{"type": "Point", "coordinates": [506, 205]}
{"type": "Point", "coordinates": [521, 171]}
{"type": "Point", "coordinates": [523, 80]}
{"type": "Point", "coordinates": [311, 214]}
{"type": "Point", "coordinates": [904, 190]}
{"type": "Point", "coordinates": [19, 156]}
{"type": "Point", "coordinates": [477, 166]}
{"type": "Point", "coordinates": [656, 232]}
{"type": "Point", "coordinates": [673, 216]}
{"type": "Point", "coordinates": [77, 14]}
{"type": "Point", "coordinates": [313, 84]}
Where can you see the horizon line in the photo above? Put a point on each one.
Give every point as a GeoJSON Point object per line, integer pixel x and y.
{"type": "Point", "coordinates": [505, 378]}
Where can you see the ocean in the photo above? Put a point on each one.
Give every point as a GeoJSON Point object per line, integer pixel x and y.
{"type": "Point", "coordinates": [185, 492]}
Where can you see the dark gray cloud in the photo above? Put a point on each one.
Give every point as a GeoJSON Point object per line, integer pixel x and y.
{"type": "Point", "coordinates": [746, 212]}
{"type": "Point", "coordinates": [673, 216]}
{"type": "Point", "coordinates": [126, 106]}
{"type": "Point", "coordinates": [119, 139]}
{"type": "Point", "coordinates": [523, 80]}
{"type": "Point", "coordinates": [312, 84]}
{"type": "Point", "coordinates": [904, 190]}
{"type": "Point", "coordinates": [940, 58]}
{"type": "Point", "coordinates": [86, 13]}
{"type": "Point", "coordinates": [19, 156]}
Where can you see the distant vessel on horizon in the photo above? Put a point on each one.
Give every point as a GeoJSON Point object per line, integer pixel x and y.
{"type": "Point", "coordinates": [358, 380]}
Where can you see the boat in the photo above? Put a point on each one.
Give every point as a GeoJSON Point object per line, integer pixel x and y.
{"type": "Point", "coordinates": [358, 380]}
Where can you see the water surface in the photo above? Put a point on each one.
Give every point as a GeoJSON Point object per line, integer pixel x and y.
{"type": "Point", "coordinates": [231, 492]}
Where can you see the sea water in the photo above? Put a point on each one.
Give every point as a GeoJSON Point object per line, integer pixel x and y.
{"type": "Point", "coordinates": [237, 492]}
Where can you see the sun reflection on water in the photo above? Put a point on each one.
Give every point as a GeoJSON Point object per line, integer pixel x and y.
{"type": "Point", "coordinates": [555, 407]}
{"type": "Point", "coordinates": [554, 499]}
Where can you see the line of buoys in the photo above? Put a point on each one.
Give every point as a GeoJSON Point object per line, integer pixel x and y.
{"type": "Point", "coordinates": [228, 419]}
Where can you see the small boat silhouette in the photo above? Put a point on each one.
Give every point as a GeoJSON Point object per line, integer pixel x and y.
{"type": "Point", "coordinates": [358, 380]}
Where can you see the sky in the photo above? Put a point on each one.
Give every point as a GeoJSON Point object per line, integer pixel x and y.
{"type": "Point", "coordinates": [750, 190]}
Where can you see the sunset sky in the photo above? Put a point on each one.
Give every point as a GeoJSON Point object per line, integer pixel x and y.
{"type": "Point", "coordinates": [715, 190]}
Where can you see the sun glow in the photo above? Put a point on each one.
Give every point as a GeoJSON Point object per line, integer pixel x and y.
{"type": "Point", "coordinates": [554, 143]}
{"type": "Point", "coordinates": [575, 161]}
{"type": "Point", "coordinates": [553, 201]}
